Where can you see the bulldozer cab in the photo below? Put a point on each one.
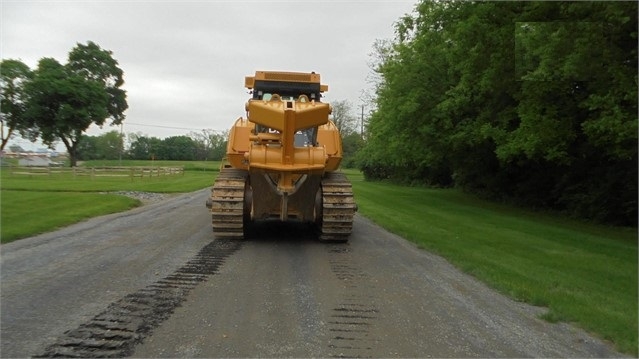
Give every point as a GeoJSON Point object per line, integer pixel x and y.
{"type": "Point", "coordinates": [286, 91]}
{"type": "Point", "coordinates": [286, 86]}
{"type": "Point", "coordinates": [267, 96]}
{"type": "Point", "coordinates": [290, 86]}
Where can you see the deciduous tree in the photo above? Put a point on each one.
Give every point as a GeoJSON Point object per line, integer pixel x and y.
{"type": "Point", "coordinates": [342, 116]}
{"type": "Point", "coordinates": [14, 75]}
{"type": "Point", "coordinates": [533, 102]}
{"type": "Point", "coordinates": [211, 144]}
{"type": "Point", "coordinates": [64, 100]}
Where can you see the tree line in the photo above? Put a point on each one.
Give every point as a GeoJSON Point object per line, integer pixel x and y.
{"type": "Point", "coordinates": [201, 145]}
{"type": "Point", "coordinates": [527, 102]}
{"type": "Point", "coordinates": [196, 146]}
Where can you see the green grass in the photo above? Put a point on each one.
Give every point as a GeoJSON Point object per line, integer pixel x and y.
{"type": "Point", "coordinates": [190, 181]}
{"type": "Point", "coordinates": [33, 204]}
{"type": "Point", "coordinates": [188, 165]}
{"type": "Point", "coordinates": [28, 213]}
{"type": "Point", "coordinates": [583, 273]}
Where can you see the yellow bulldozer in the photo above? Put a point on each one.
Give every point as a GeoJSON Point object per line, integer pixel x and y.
{"type": "Point", "coordinates": [282, 161]}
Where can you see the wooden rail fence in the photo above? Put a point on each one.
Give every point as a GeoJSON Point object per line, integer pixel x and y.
{"type": "Point", "coordinates": [95, 172]}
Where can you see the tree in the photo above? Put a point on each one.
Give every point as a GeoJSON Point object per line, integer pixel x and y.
{"type": "Point", "coordinates": [205, 140]}
{"type": "Point", "coordinates": [14, 75]}
{"type": "Point", "coordinates": [219, 142]}
{"type": "Point", "coordinates": [342, 116]}
{"type": "Point", "coordinates": [181, 148]}
{"type": "Point", "coordinates": [107, 146]}
{"type": "Point", "coordinates": [351, 144]}
{"type": "Point", "coordinates": [110, 145]}
{"type": "Point", "coordinates": [87, 148]}
{"type": "Point", "coordinates": [202, 143]}
{"type": "Point", "coordinates": [144, 148]}
{"type": "Point", "coordinates": [64, 100]}
{"type": "Point", "coordinates": [530, 102]}
{"type": "Point", "coordinates": [62, 105]}
{"type": "Point", "coordinates": [210, 144]}
{"type": "Point", "coordinates": [95, 64]}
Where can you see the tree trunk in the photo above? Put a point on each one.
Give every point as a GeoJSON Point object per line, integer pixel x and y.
{"type": "Point", "coordinates": [71, 150]}
{"type": "Point", "coordinates": [73, 160]}
{"type": "Point", "coordinates": [5, 139]}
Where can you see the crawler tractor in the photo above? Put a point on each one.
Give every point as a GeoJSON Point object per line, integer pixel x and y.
{"type": "Point", "coordinates": [282, 161]}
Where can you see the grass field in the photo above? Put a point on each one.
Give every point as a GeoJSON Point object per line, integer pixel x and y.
{"type": "Point", "coordinates": [197, 174]}
{"type": "Point", "coordinates": [188, 165]}
{"type": "Point", "coordinates": [36, 204]}
{"type": "Point", "coordinates": [25, 213]}
{"type": "Point", "coordinates": [583, 273]}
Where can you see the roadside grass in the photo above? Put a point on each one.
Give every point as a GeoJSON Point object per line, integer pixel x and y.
{"type": "Point", "coordinates": [583, 273]}
{"type": "Point", "coordinates": [33, 204]}
{"type": "Point", "coordinates": [66, 182]}
{"type": "Point", "coordinates": [26, 213]}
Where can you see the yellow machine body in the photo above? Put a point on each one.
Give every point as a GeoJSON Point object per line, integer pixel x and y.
{"type": "Point", "coordinates": [284, 155]}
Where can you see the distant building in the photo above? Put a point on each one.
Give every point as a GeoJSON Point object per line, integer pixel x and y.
{"type": "Point", "coordinates": [35, 161]}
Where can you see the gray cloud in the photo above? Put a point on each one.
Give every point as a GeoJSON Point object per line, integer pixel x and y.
{"type": "Point", "coordinates": [185, 62]}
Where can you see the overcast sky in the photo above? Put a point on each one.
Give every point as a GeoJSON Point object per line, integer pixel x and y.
{"type": "Point", "coordinates": [184, 62]}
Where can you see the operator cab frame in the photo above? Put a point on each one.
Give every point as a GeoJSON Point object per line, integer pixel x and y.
{"type": "Point", "coordinates": [287, 87]}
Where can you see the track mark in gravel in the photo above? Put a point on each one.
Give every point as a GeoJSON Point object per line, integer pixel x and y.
{"type": "Point", "coordinates": [353, 317]}
{"type": "Point", "coordinates": [126, 322]}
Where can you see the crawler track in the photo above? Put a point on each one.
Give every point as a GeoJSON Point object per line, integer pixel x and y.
{"type": "Point", "coordinates": [126, 322]}
{"type": "Point", "coordinates": [338, 208]}
{"type": "Point", "coordinates": [227, 203]}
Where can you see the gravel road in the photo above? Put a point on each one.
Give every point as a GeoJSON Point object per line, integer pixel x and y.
{"type": "Point", "coordinates": [150, 282]}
